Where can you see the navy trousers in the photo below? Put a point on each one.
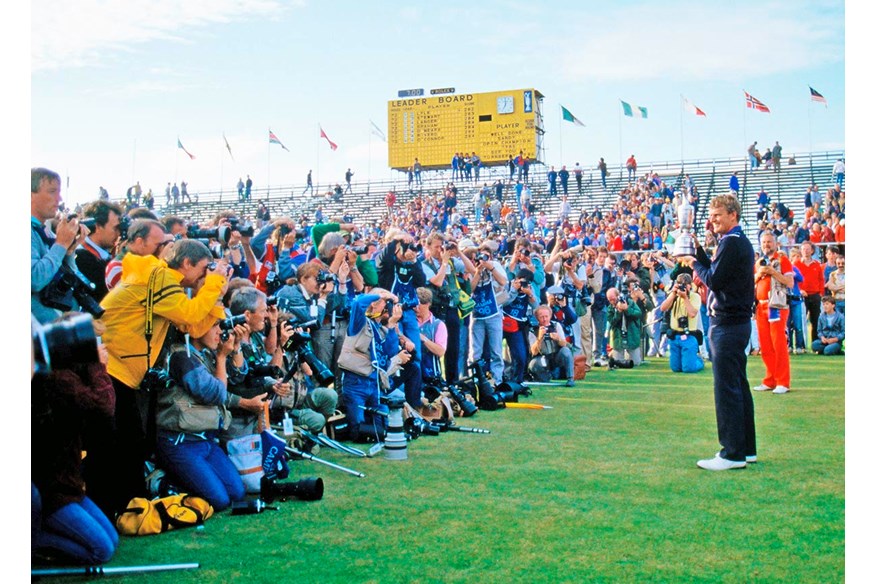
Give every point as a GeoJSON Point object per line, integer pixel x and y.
{"type": "Point", "coordinates": [734, 406]}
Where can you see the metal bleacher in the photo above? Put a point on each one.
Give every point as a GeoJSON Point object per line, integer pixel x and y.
{"type": "Point", "coordinates": [366, 202]}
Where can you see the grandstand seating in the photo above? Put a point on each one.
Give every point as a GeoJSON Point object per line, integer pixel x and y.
{"type": "Point", "coordinates": [366, 203]}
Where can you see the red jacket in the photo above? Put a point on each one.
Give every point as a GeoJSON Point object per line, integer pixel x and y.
{"type": "Point", "coordinates": [813, 277]}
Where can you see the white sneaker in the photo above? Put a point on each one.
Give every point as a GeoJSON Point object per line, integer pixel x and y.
{"type": "Point", "coordinates": [781, 389]}
{"type": "Point", "coordinates": [652, 352]}
{"type": "Point", "coordinates": [749, 459]}
{"type": "Point", "coordinates": [763, 387]}
{"type": "Point", "coordinates": [719, 463]}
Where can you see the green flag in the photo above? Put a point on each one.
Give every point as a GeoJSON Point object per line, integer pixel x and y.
{"type": "Point", "coordinates": [634, 111]}
{"type": "Point", "coordinates": [567, 115]}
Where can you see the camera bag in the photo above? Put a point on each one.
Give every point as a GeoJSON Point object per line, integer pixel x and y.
{"type": "Point", "coordinates": [145, 517]}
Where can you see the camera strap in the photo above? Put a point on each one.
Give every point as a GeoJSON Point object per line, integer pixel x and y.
{"type": "Point", "coordinates": [152, 407]}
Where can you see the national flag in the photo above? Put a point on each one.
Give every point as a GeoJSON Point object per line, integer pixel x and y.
{"type": "Point", "coordinates": [272, 139]}
{"type": "Point", "coordinates": [374, 130]}
{"type": "Point", "coordinates": [183, 148]}
{"type": "Point", "coordinates": [567, 115]}
{"type": "Point", "coordinates": [228, 146]}
{"type": "Point", "coordinates": [817, 96]}
{"type": "Point", "coordinates": [634, 111]}
{"type": "Point", "coordinates": [752, 102]}
{"type": "Point", "coordinates": [322, 135]}
{"type": "Point", "coordinates": [689, 106]}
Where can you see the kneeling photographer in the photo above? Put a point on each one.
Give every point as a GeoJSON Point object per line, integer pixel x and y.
{"type": "Point", "coordinates": [192, 413]}
{"type": "Point", "coordinates": [370, 356]}
{"type": "Point", "coordinates": [550, 349]}
{"type": "Point", "coordinates": [683, 308]}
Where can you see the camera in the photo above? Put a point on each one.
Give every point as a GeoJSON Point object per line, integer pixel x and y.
{"type": "Point", "coordinates": [67, 286]}
{"type": "Point", "coordinates": [763, 262]}
{"type": "Point", "coordinates": [299, 343]}
{"type": "Point", "coordinates": [65, 343]}
{"type": "Point", "coordinates": [684, 323]}
{"type": "Point", "coordinates": [227, 325]}
{"type": "Point", "coordinates": [285, 230]}
{"type": "Point", "coordinates": [435, 385]}
{"type": "Point", "coordinates": [156, 379]}
{"type": "Point", "coordinates": [308, 489]}
{"type": "Point", "coordinates": [271, 301]}
{"type": "Point", "coordinates": [325, 277]}
{"type": "Point", "coordinates": [482, 257]}
{"type": "Point", "coordinates": [525, 285]}
{"type": "Point", "coordinates": [525, 252]}
{"type": "Point", "coordinates": [359, 249]}
{"type": "Point", "coordinates": [247, 230]}
{"type": "Point", "coordinates": [221, 234]}
{"type": "Point", "coordinates": [449, 245]}
{"type": "Point", "coordinates": [416, 427]}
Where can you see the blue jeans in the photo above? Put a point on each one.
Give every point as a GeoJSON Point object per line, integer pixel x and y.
{"type": "Point", "coordinates": [753, 159]}
{"type": "Point", "coordinates": [410, 328]}
{"type": "Point", "coordinates": [465, 324]}
{"type": "Point", "coordinates": [519, 353]}
{"type": "Point", "coordinates": [600, 318]}
{"type": "Point", "coordinates": [831, 349]}
{"type": "Point", "coordinates": [706, 320]}
{"type": "Point", "coordinates": [684, 355]}
{"type": "Point", "coordinates": [80, 531]}
{"type": "Point", "coordinates": [362, 391]}
{"type": "Point", "coordinates": [795, 326]}
{"type": "Point", "coordinates": [489, 330]}
{"type": "Point", "coordinates": [203, 468]}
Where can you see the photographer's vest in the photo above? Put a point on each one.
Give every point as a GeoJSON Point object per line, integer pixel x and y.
{"type": "Point", "coordinates": [518, 309]}
{"type": "Point", "coordinates": [403, 287]}
{"type": "Point", "coordinates": [548, 346]}
{"type": "Point", "coordinates": [450, 285]}
{"type": "Point", "coordinates": [485, 300]}
{"type": "Point", "coordinates": [430, 362]}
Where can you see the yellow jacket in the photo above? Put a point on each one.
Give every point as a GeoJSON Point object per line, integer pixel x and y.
{"type": "Point", "coordinates": [125, 316]}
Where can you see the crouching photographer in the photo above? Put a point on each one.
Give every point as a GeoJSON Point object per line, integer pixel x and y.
{"type": "Point", "coordinates": [625, 330]}
{"type": "Point", "coordinates": [683, 308]}
{"type": "Point", "coordinates": [191, 413]}
{"type": "Point", "coordinates": [550, 349]}
{"type": "Point", "coordinates": [370, 356]}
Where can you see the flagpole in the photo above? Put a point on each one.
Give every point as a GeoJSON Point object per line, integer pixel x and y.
{"type": "Point", "coordinates": [681, 125]}
{"type": "Point", "coordinates": [745, 135]}
{"type": "Point", "coordinates": [369, 156]}
{"type": "Point", "coordinates": [221, 170]}
{"type": "Point", "coordinates": [620, 139]}
{"type": "Point", "coordinates": [318, 127]}
{"type": "Point", "coordinates": [176, 167]}
{"type": "Point", "coordinates": [809, 112]}
{"type": "Point", "coordinates": [269, 163]}
{"type": "Point", "coordinates": [134, 161]}
{"type": "Point", "coordinates": [561, 134]}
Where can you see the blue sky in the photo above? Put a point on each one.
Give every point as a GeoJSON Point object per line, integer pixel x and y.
{"type": "Point", "coordinates": [114, 83]}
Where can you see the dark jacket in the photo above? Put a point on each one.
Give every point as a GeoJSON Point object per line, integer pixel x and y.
{"type": "Point", "coordinates": [729, 275]}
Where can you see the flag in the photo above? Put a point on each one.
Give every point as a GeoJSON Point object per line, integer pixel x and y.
{"type": "Point", "coordinates": [817, 96]}
{"type": "Point", "coordinates": [634, 111]}
{"type": "Point", "coordinates": [322, 135]}
{"type": "Point", "coordinates": [567, 115]}
{"type": "Point", "coordinates": [752, 102]}
{"type": "Point", "coordinates": [228, 146]}
{"type": "Point", "coordinates": [374, 130]}
{"type": "Point", "coordinates": [183, 148]}
{"type": "Point", "coordinates": [689, 106]}
{"type": "Point", "coordinates": [272, 139]}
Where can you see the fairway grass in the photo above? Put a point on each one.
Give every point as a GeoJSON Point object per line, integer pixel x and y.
{"type": "Point", "coordinates": [602, 488]}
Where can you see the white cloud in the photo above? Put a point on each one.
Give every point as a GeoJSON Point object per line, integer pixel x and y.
{"type": "Point", "coordinates": [85, 32]}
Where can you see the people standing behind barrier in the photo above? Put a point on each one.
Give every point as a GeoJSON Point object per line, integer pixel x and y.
{"type": "Point", "coordinates": [773, 276]}
{"type": "Point", "coordinates": [549, 349]}
{"type": "Point", "coordinates": [441, 266]}
{"type": "Point", "coordinates": [683, 306]}
{"type": "Point", "coordinates": [371, 355]}
{"type": "Point", "coordinates": [831, 329]}
{"type": "Point", "coordinates": [796, 308]}
{"type": "Point", "coordinates": [188, 449]}
{"type": "Point", "coordinates": [836, 283]}
{"type": "Point", "coordinates": [812, 286]}
{"type": "Point", "coordinates": [66, 403]}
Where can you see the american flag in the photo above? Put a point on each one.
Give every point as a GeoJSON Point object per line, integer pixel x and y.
{"type": "Point", "coordinates": [817, 96]}
{"type": "Point", "coordinates": [752, 102]}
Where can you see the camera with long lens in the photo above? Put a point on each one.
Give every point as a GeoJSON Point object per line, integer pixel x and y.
{"type": "Point", "coordinates": [68, 286]}
{"type": "Point", "coordinates": [309, 489]}
{"type": "Point", "coordinates": [273, 283]}
{"type": "Point", "coordinates": [59, 345]}
{"type": "Point", "coordinates": [416, 427]}
{"type": "Point", "coordinates": [433, 386]}
{"type": "Point", "coordinates": [222, 234]}
{"type": "Point", "coordinates": [299, 343]}
{"type": "Point", "coordinates": [227, 325]}
{"type": "Point", "coordinates": [481, 257]}
{"type": "Point", "coordinates": [264, 370]}
{"type": "Point", "coordinates": [247, 230]}
{"type": "Point", "coordinates": [359, 249]}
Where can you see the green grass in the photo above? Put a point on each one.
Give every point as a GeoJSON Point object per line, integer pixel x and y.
{"type": "Point", "coordinates": [603, 488]}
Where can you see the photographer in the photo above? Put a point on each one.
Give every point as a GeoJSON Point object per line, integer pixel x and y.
{"type": "Point", "coordinates": [146, 237]}
{"type": "Point", "coordinates": [625, 331]}
{"type": "Point", "coordinates": [442, 265]}
{"type": "Point", "coordinates": [261, 345]}
{"type": "Point", "coordinates": [683, 305]}
{"type": "Point", "coordinates": [312, 297]}
{"type": "Point", "coordinates": [603, 277]}
{"type": "Point", "coordinates": [515, 323]}
{"type": "Point", "coordinates": [188, 432]}
{"type": "Point", "coordinates": [117, 462]}
{"type": "Point", "coordinates": [98, 248]}
{"type": "Point", "coordinates": [400, 272]}
{"type": "Point", "coordinates": [524, 257]}
{"type": "Point", "coordinates": [576, 280]}
{"type": "Point", "coordinates": [659, 266]}
{"type": "Point", "coordinates": [49, 251]}
{"type": "Point", "coordinates": [773, 276]}
{"type": "Point", "coordinates": [64, 404]}
{"type": "Point", "coordinates": [488, 291]}
{"type": "Point", "coordinates": [644, 301]}
{"type": "Point", "coordinates": [549, 349]}
{"type": "Point", "coordinates": [371, 354]}
{"type": "Point", "coordinates": [433, 337]}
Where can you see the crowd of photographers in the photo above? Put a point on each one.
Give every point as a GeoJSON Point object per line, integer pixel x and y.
{"type": "Point", "coordinates": [205, 327]}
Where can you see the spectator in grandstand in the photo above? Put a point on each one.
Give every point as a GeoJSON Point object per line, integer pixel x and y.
{"type": "Point", "coordinates": [836, 283]}
{"type": "Point", "coordinates": [839, 171]}
{"type": "Point", "coordinates": [552, 182]}
{"type": "Point", "coordinates": [631, 167]}
{"type": "Point", "coordinates": [734, 182]}
{"type": "Point", "coordinates": [773, 276]}
{"type": "Point", "coordinates": [563, 175]}
{"type": "Point", "coordinates": [247, 192]}
{"type": "Point", "coordinates": [685, 336]}
{"type": "Point", "coordinates": [777, 156]}
{"type": "Point", "coordinates": [418, 170]}
{"type": "Point", "coordinates": [602, 167]}
{"type": "Point", "coordinates": [752, 157]}
{"type": "Point", "coordinates": [579, 176]}
{"type": "Point", "coordinates": [549, 349]}
{"type": "Point", "coordinates": [625, 331]}
{"type": "Point", "coordinates": [831, 329]}
{"type": "Point", "coordinates": [454, 165]}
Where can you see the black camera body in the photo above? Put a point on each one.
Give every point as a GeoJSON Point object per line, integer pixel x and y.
{"type": "Point", "coordinates": [67, 286]}
{"type": "Point", "coordinates": [156, 380]}
{"type": "Point", "coordinates": [227, 325]}
{"type": "Point", "coordinates": [482, 257]}
{"type": "Point", "coordinates": [60, 345]}
{"type": "Point", "coordinates": [299, 343]}
{"type": "Point", "coordinates": [763, 262]}
{"type": "Point", "coordinates": [324, 277]}
{"type": "Point", "coordinates": [222, 234]}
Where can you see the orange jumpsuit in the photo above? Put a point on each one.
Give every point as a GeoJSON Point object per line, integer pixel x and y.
{"type": "Point", "coordinates": [773, 336]}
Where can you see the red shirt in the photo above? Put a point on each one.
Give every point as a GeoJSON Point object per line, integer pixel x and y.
{"type": "Point", "coordinates": [813, 277]}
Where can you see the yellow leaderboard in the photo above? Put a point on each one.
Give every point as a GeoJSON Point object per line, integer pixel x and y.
{"type": "Point", "coordinates": [492, 125]}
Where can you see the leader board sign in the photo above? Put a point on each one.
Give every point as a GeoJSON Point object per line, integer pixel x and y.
{"type": "Point", "coordinates": [493, 125]}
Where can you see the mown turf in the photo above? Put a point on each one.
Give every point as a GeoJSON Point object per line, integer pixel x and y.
{"type": "Point", "coordinates": [603, 488]}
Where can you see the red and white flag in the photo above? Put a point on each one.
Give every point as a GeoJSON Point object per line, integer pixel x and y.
{"type": "Point", "coordinates": [322, 135]}
{"type": "Point", "coordinates": [752, 102]}
{"type": "Point", "coordinates": [689, 106]}
{"type": "Point", "coordinates": [183, 148]}
{"type": "Point", "coordinates": [272, 139]}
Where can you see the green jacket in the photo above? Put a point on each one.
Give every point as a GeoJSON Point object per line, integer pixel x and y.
{"type": "Point", "coordinates": [616, 318]}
